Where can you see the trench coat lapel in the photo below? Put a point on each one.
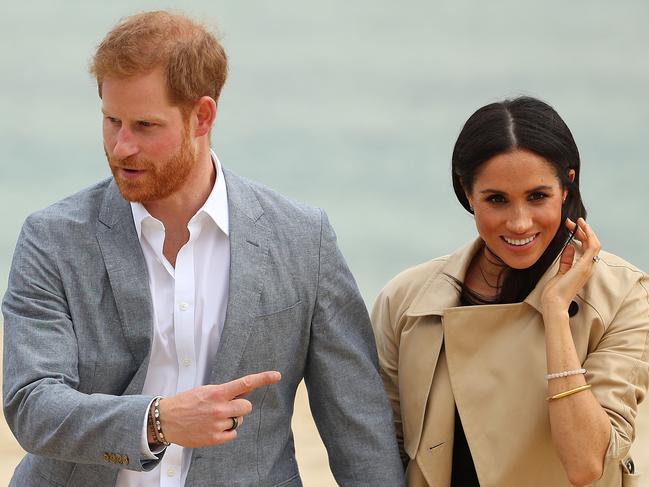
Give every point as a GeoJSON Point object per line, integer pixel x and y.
{"type": "Point", "coordinates": [425, 339]}
{"type": "Point", "coordinates": [128, 277]}
{"type": "Point", "coordinates": [498, 343]}
{"type": "Point", "coordinates": [249, 242]}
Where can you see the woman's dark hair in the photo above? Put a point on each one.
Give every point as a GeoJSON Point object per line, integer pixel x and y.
{"type": "Point", "coordinates": [520, 123]}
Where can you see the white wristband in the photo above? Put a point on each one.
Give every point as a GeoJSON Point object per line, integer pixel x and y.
{"type": "Point", "coordinates": [565, 373]}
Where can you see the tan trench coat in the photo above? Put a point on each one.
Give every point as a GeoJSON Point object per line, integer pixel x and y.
{"type": "Point", "coordinates": [490, 362]}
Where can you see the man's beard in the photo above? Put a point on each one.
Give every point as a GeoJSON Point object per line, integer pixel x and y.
{"type": "Point", "coordinates": [160, 179]}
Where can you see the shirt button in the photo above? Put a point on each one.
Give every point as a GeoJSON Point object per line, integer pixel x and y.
{"type": "Point", "coordinates": [187, 362]}
{"type": "Point", "coordinates": [171, 472]}
{"type": "Point", "coordinates": [183, 306]}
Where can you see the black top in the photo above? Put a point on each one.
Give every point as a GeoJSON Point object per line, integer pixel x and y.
{"type": "Point", "coordinates": [463, 473]}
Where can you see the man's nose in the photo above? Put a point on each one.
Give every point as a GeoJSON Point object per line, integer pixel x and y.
{"type": "Point", "coordinates": [125, 145]}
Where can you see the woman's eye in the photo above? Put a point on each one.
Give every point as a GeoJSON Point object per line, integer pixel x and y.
{"type": "Point", "coordinates": [496, 198]}
{"type": "Point", "coordinates": [538, 196]}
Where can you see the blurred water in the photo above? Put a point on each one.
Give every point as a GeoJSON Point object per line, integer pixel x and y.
{"type": "Point", "coordinates": [353, 106]}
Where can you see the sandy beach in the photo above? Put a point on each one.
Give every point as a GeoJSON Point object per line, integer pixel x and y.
{"type": "Point", "coordinates": [312, 457]}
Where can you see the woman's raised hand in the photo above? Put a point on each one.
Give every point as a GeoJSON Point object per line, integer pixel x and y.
{"type": "Point", "coordinates": [572, 275]}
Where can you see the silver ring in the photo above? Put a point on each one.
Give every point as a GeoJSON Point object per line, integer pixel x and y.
{"type": "Point", "coordinates": [596, 259]}
{"type": "Point", "coordinates": [235, 423]}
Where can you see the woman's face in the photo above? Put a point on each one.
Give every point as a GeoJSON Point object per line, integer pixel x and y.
{"type": "Point", "coordinates": [516, 199]}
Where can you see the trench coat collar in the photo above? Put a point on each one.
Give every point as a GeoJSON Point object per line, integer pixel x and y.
{"type": "Point", "coordinates": [441, 291]}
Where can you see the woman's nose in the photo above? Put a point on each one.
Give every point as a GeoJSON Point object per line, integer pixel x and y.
{"type": "Point", "coordinates": [519, 221]}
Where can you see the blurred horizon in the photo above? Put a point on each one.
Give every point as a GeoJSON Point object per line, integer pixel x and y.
{"type": "Point", "coordinates": [351, 107]}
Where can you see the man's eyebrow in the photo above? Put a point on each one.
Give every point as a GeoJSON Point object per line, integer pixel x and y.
{"type": "Point", "coordinates": [145, 118]}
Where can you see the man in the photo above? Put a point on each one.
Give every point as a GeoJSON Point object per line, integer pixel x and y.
{"type": "Point", "coordinates": [142, 310]}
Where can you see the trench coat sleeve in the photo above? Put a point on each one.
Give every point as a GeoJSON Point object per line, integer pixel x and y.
{"type": "Point", "coordinates": [342, 378]}
{"type": "Point", "coordinates": [618, 368]}
{"type": "Point", "coordinates": [47, 413]}
{"type": "Point", "coordinates": [384, 318]}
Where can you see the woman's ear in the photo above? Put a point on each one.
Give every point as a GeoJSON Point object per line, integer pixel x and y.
{"type": "Point", "coordinates": [469, 199]}
{"type": "Point", "coordinates": [571, 177]}
{"type": "Point", "coordinates": [467, 193]}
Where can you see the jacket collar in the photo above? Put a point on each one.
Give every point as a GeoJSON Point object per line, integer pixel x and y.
{"type": "Point", "coordinates": [440, 291]}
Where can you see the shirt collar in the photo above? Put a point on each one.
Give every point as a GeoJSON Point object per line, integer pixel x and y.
{"type": "Point", "coordinates": [216, 205]}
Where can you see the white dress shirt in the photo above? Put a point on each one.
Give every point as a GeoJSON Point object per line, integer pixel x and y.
{"type": "Point", "coordinates": [189, 304]}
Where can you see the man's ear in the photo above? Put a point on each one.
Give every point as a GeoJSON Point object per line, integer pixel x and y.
{"type": "Point", "coordinates": [204, 115]}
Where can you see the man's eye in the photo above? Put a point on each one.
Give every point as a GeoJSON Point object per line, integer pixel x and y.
{"type": "Point", "coordinates": [113, 120]}
{"type": "Point", "coordinates": [145, 124]}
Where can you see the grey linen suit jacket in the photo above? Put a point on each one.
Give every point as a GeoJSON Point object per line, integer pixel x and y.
{"type": "Point", "coordinates": [78, 324]}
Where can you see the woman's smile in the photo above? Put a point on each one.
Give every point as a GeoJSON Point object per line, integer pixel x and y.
{"type": "Point", "coordinates": [520, 242]}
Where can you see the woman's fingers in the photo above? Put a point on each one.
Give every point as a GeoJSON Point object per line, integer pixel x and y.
{"type": "Point", "coordinates": [580, 233]}
{"type": "Point", "coordinates": [584, 233]}
{"type": "Point", "coordinates": [567, 258]}
{"type": "Point", "coordinates": [590, 242]}
{"type": "Point", "coordinates": [590, 246]}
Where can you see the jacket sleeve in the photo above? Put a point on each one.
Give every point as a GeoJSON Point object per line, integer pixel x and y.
{"type": "Point", "coordinates": [618, 368]}
{"type": "Point", "coordinates": [345, 392]}
{"type": "Point", "coordinates": [388, 351]}
{"type": "Point", "coordinates": [43, 406]}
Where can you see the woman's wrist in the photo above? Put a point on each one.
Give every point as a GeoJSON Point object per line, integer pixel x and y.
{"type": "Point", "coordinates": [555, 313]}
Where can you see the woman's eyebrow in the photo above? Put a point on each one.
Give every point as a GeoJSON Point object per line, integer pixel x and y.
{"type": "Point", "coordinates": [543, 187]}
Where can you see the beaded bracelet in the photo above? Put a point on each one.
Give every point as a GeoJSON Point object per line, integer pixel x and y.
{"type": "Point", "coordinates": [151, 429]}
{"type": "Point", "coordinates": [565, 373]}
{"type": "Point", "coordinates": [155, 417]}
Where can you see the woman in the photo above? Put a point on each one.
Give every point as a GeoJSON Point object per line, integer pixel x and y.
{"type": "Point", "coordinates": [520, 359]}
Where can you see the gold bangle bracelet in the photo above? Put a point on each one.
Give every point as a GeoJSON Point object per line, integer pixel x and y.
{"type": "Point", "coordinates": [568, 392]}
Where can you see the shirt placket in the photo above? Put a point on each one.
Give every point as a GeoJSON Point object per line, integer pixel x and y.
{"type": "Point", "coordinates": [184, 318]}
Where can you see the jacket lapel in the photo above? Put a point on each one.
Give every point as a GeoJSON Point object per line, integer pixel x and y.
{"type": "Point", "coordinates": [249, 242]}
{"type": "Point", "coordinates": [127, 274]}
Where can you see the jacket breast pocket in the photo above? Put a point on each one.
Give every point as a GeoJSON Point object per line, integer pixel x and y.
{"type": "Point", "coordinates": [280, 308]}
{"type": "Point", "coordinates": [281, 336]}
